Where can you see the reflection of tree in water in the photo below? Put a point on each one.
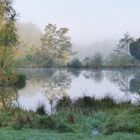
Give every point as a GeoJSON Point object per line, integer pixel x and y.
{"type": "Point", "coordinates": [96, 75]}
{"type": "Point", "coordinates": [54, 83]}
{"type": "Point", "coordinates": [36, 76]}
{"type": "Point", "coordinates": [121, 79]}
{"type": "Point", "coordinates": [74, 72]}
{"type": "Point", "coordinates": [135, 84]}
{"type": "Point", "coordinates": [56, 86]}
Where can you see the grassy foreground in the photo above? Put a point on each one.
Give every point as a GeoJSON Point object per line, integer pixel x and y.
{"type": "Point", "coordinates": [29, 134]}
{"type": "Point", "coordinates": [86, 119]}
{"type": "Point", "coordinates": [116, 124]}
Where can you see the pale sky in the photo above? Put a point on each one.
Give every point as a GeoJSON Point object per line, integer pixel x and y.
{"type": "Point", "coordinates": [87, 20]}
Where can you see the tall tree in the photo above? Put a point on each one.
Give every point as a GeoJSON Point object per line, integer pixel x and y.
{"type": "Point", "coordinates": [8, 37]}
{"type": "Point", "coordinates": [57, 44]}
{"type": "Point", "coordinates": [123, 44]}
{"type": "Point", "coordinates": [135, 49]}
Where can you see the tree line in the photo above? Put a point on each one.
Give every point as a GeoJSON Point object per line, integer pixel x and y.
{"type": "Point", "coordinates": [54, 49]}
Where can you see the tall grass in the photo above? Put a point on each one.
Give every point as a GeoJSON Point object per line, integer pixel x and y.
{"type": "Point", "coordinates": [78, 116]}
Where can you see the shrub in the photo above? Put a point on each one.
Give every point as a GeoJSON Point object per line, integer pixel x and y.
{"type": "Point", "coordinates": [63, 103]}
{"type": "Point", "coordinates": [71, 119]}
{"type": "Point", "coordinates": [96, 61]}
{"type": "Point", "coordinates": [107, 102]}
{"type": "Point", "coordinates": [122, 121]}
{"type": "Point", "coordinates": [75, 63]}
{"type": "Point", "coordinates": [41, 109]}
{"type": "Point", "coordinates": [85, 101]}
{"type": "Point", "coordinates": [18, 122]}
{"type": "Point", "coordinates": [21, 81]}
{"type": "Point", "coordinates": [46, 122]}
{"type": "Point", "coordinates": [134, 48]}
{"type": "Point", "coordinates": [63, 128]}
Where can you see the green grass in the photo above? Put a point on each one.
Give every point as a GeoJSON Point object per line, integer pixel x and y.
{"type": "Point", "coordinates": [121, 122]}
{"type": "Point", "coordinates": [115, 124]}
{"type": "Point", "coordinates": [29, 134]}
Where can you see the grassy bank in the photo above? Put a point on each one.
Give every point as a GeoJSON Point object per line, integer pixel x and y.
{"type": "Point", "coordinates": [80, 120]}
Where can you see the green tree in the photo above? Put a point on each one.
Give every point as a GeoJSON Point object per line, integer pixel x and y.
{"type": "Point", "coordinates": [8, 35]}
{"type": "Point", "coordinates": [93, 62]}
{"type": "Point", "coordinates": [56, 45]}
{"type": "Point", "coordinates": [97, 60]}
{"type": "Point", "coordinates": [123, 45]}
{"type": "Point", "coordinates": [121, 56]}
{"type": "Point", "coordinates": [75, 63]}
{"type": "Point", "coordinates": [120, 60]}
{"type": "Point", "coordinates": [135, 49]}
{"type": "Point", "coordinates": [86, 62]}
{"type": "Point", "coordinates": [8, 38]}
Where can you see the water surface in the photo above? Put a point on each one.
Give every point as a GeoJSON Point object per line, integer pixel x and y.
{"type": "Point", "coordinates": [45, 85]}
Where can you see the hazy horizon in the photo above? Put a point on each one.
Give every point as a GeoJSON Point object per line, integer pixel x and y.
{"type": "Point", "coordinates": [88, 21]}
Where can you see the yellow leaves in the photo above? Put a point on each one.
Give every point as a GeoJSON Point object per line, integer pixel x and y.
{"type": "Point", "coordinates": [1, 50]}
{"type": "Point", "coordinates": [2, 76]}
{"type": "Point", "coordinates": [7, 77]}
{"type": "Point", "coordinates": [11, 53]}
{"type": "Point", "coordinates": [16, 53]}
{"type": "Point", "coordinates": [6, 58]}
{"type": "Point", "coordinates": [65, 56]}
{"type": "Point", "coordinates": [56, 44]}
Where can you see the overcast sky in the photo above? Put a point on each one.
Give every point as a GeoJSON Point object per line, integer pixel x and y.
{"type": "Point", "coordinates": [88, 20]}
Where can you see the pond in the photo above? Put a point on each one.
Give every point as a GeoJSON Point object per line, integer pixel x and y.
{"type": "Point", "coordinates": [48, 85]}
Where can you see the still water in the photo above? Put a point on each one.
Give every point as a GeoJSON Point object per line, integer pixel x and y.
{"type": "Point", "coordinates": [45, 85]}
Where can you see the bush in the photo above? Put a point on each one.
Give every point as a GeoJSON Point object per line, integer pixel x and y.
{"type": "Point", "coordinates": [75, 63]}
{"type": "Point", "coordinates": [41, 110]}
{"type": "Point", "coordinates": [18, 121]}
{"type": "Point", "coordinates": [71, 119]}
{"type": "Point", "coordinates": [63, 103]}
{"type": "Point", "coordinates": [107, 102]}
{"type": "Point", "coordinates": [96, 61]}
{"type": "Point", "coordinates": [46, 122]}
{"type": "Point", "coordinates": [62, 128]}
{"type": "Point", "coordinates": [21, 81]}
{"type": "Point", "coordinates": [123, 121]}
{"type": "Point", "coordinates": [86, 103]}
{"type": "Point", "coordinates": [134, 49]}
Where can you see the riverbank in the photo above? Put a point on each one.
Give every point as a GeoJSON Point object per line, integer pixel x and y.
{"type": "Point", "coordinates": [111, 122]}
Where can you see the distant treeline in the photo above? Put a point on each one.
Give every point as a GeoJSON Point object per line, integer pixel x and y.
{"type": "Point", "coordinates": [24, 45]}
{"type": "Point", "coordinates": [54, 49]}
{"type": "Point", "coordinates": [29, 47]}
